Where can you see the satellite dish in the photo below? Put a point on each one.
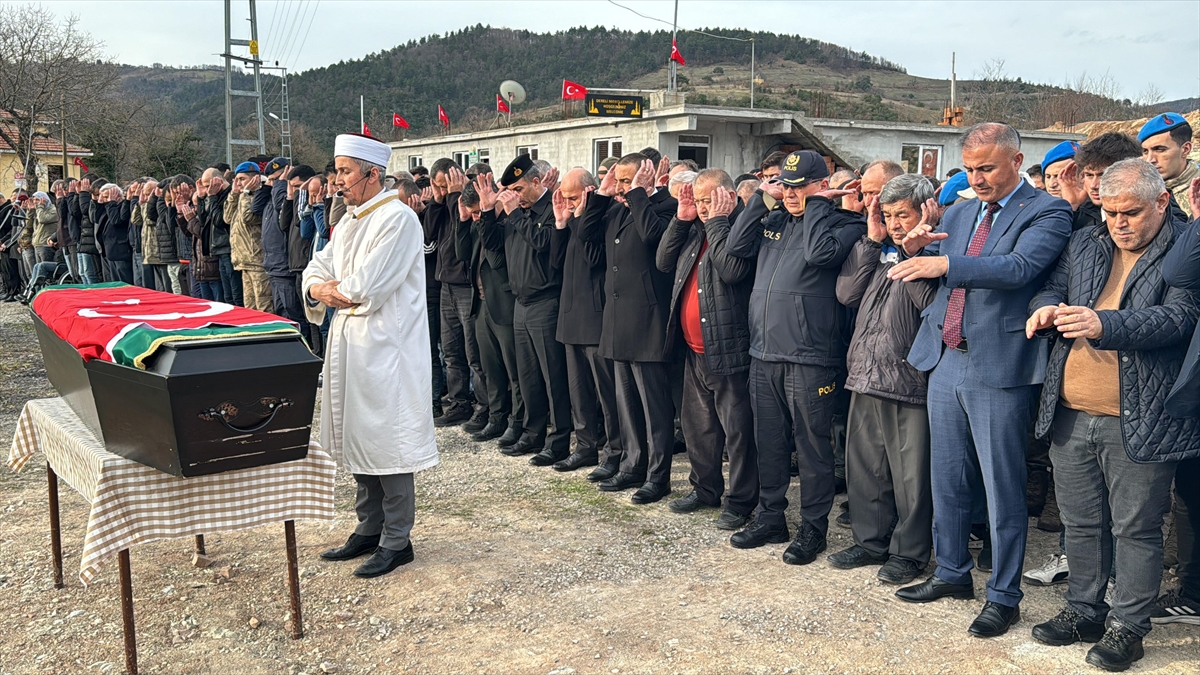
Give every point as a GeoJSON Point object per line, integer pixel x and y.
{"type": "Point", "coordinates": [512, 91]}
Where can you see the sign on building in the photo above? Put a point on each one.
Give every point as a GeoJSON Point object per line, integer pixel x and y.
{"type": "Point", "coordinates": [600, 105]}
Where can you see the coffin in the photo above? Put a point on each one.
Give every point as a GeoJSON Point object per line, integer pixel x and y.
{"type": "Point", "coordinates": [196, 406]}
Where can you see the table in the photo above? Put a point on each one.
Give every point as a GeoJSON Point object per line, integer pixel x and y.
{"type": "Point", "coordinates": [135, 504]}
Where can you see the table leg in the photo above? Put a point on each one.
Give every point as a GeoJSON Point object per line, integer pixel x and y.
{"type": "Point", "coordinates": [289, 535]}
{"type": "Point", "coordinates": [200, 544]}
{"type": "Point", "coordinates": [55, 529]}
{"type": "Point", "coordinates": [127, 613]}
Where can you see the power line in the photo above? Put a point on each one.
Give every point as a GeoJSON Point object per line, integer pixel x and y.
{"type": "Point", "coordinates": [295, 45]}
{"type": "Point", "coordinates": [305, 39]}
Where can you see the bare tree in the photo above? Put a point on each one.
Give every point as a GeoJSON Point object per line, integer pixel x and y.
{"type": "Point", "coordinates": [49, 70]}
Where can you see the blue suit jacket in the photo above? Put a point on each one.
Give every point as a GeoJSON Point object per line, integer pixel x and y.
{"type": "Point", "coordinates": [1181, 269]}
{"type": "Point", "coordinates": [1027, 236]}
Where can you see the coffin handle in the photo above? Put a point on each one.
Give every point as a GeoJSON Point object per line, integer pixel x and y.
{"type": "Point", "coordinates": [229, 410]}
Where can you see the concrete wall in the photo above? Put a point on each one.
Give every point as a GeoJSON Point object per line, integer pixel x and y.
{"type": "Point", "coordinates": [10, 166]}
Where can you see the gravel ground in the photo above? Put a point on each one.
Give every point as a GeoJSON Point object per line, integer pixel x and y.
{"type": "Point", "coordinates": [518, 570]}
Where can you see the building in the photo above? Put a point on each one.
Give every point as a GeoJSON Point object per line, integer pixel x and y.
{"type": "Point", "coordinates": [48, 156]}
{"type": "Point", "coordinates": [733, 139]}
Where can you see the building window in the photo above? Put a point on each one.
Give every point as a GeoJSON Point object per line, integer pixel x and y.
{"type": "Point", "coordinates": [694, 148]}
{"type": "Point", "coordinates": [462, 159]}
{"type": "Point", "coordinates": [530, 150]}
{"type": "Point", "coordinates": [923, 159]}
{"type": "Point", "coordinates": [414, 161]}
{"type": "Point", "coordinates": [603, 148]}
{"type": "Point", "coordinates": [485, 155]}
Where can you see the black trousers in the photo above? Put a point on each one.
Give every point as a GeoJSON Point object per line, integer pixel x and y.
{"type": "Point", "coordinates": [542, 371]}
{"type": "Point", "coordinates": [1187, 521]}
{"type": "Point", "coordinates": [433, 309]}
{"type": "Point", "coordinates": [498, 356]}
{"type": "Point", "coordinates": [593, 403]}
{"type": "Point", "coordinates": [459, 346]}
{"type": "Point", "coordinates": [716, 419]}
{"type": "Point", "coordinates": [647, 418]}
{"type": "Point", "coordinates": [793, 403]}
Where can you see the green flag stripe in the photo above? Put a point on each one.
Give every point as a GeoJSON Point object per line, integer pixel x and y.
{"type": "Point", "coordinates": [136, 346]}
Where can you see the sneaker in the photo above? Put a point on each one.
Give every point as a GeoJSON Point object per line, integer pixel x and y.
{"type": "Point", "coordinates": [899, 570]}
{"type": "Point", "coordinates": [1055, 571]}
{"type": "Point", "coordinates": [1068, 628]}
{"type": "Point", "coordinates": [1174, 608]}
{"type": "Point", "coordinates": [809, 543]}
{"type": "Point", "coordinates": [1117, 650]}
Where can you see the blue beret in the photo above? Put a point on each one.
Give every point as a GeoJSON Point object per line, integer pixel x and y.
{"type": "Point", "coordinates": [951, 188]}
{"type": "Point", "coordinates": [1160, 124]}
{"type": "Point", "coordinates": [247, 167]}
{"type": "Point", "coordinates": [1064, 150]}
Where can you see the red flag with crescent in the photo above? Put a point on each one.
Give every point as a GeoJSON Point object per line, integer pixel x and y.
{"type": "Point", "coordinates": [573, 91]}
{"type": "Point", "coordinates": [398, 121]}
{"type": "Point", "coordinates": [443, 117]}
{"type": "Point", "coordinates": [501, 105]}
{"type": "Point", "coordinates": [675, 55]}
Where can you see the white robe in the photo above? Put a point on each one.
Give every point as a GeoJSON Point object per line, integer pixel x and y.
{"type": "Point", "coordinates": [375, 405]}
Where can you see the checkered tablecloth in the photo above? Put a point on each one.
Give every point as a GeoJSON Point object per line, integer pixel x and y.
{"type": "Point", "coordinates": [135, 504]}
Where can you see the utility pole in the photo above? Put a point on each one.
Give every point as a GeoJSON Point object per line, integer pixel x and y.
{"type": "Point", "coordinates": [230, 92]}
{"type": "Point", "coordinates": [285, 120]}
{"type": "Point", "coordinates": [672, 67]}
{"type": "Point", "coordinates": [752, 73]}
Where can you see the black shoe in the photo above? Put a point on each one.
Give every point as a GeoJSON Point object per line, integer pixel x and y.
{"type": "Point", "coordinates": [839, 486]}
{"type": "Point", "coordinates": [603, 472]}
{"type": "Point", "coordinates": [437, 409]}
{"type": "Point", "coordinates": [843, 519]}
{"type": "Point", "coordinates": [854, 557]}
{"type": "Point", "coordinates": [510, 437]}
{"type": "Point", "coordinates": [355, 546]}
{"type": "Point", "coordinates": [760, 534]}
{"type": "Point", "coordinates": [934, 588]}
{"type": "Point", "coordinates": [575, 461]}
{"type": "Point", "coordinates": [522, 447]}
{"type": "Point", "coordinates": [547, 457]}
{"type": "Point", "coordinates": [679, 447]}
{"type": "Point", "coordinates": [809, 543]}
{"type": "Point", "coordinates": [385, 560]}
{"type": "Point", "coordinates": [689, 503]}
{"type": "Point", "coordinates": [650, 493]}
{"type": "Point", "coordinates": [1068, 628]}
{"type": "Point", "coordinates": [899, 570]}
{"type": "Point", "coordinates": [491, 431]}
{"type": "Point", "coordinates": [994, 620]}
{"type": "Point", "coordinates": [984, 562]}
{"type": "Point", "coordinates": [478, 422]}
{"type": "Point", "coordinates": [728, 520]}
{"type": "Point", "coordinates": [794, 466]}
{"type": "Point", "coordinates": [621, 481]}
{"type": "Point", "coordinates": [454, 416]}
{"type": "Point", "coordinates": [1117, 650]}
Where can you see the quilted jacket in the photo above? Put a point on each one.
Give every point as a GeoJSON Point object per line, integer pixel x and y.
{"type": "Point", "coordinates": [724, 282]}
{"type": "Point", "coordinates": [1150, 332]}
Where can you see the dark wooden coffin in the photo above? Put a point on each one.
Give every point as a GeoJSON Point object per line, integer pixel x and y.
{"type": "Point", "coordinates": [200, 407]}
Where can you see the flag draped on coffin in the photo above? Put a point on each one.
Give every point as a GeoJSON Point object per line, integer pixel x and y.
{"type": "Point", "coordinates": [126, 324]}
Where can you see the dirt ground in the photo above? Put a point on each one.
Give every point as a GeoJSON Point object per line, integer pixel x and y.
{"type": "Point", "coordinates": [518, 570]}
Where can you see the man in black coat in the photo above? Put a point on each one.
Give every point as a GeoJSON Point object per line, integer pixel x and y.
{"type": "Point", "coordinates": [1121, 338]}
{"type": "Point", "coordinates": [709, 312]}
{"type": "Point", "coordinates": [520, 220]}
{"type": "Point", "coordinates": [629, 215]}
{"type": "Point", "coordinates": [488, 271]}
{"type": "Point", "coordinates": [580, 323]}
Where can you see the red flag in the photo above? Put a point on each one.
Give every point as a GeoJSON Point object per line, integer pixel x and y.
{"type": "Point", "coordinates": [79, 163]}
{"type": "Point", "coordinates": [500, 104]}
{"type": "Point", "coordinates": [443, 117]}
{"type": "Point", "coordinates": [675, 55]}
{"type": "Point", "coordinates": [573, 91]}
{"type": "Point", "coordinates": [398, 121]}
{"type": "Point", "coordinates": [366, 130]}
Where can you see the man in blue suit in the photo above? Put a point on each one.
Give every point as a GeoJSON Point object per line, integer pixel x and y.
{"type": "Point", "coordinates": [991, 255]}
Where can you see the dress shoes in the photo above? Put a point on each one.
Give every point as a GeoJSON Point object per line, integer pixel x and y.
{"type": "Point", "coordinates": [385, 560]}
{"type": "Point", "coordinates": [575, 461]}
{"type": "Point", "coordinates": [1068, 628]}
{"type": "Point", "coordinates": [689, 503]}
{"type": "Point", "coordinates": [855, 557]}
{"type": "Point", "coordinates": [478, 421]}
{"type": "Point", "coordinates": [510, 437]}
{"type": "Point", "coordinates": [522, 447]}
{"type": "Point", "coordinates": [355, 546]}
{"type": "Point", "coordinates": [728, 520]}
{"type": "Point", "coordinates": [622, 481]}
{"type": "Point", "coordinates": [491, 431]}
{"type": "Point", "coordinates": [650, 493]}
{"type": "Point", "coordinates": [603, 472]}
{"type": "Point", "coordinates": [994, 620]}
{"type": "Point", "coordinates": [547, 457]}
{"type": "Point", "coordinates": [934, 588]}
{"type": "Point", "coordinates": [809, 543]}
{"type": "Point", "coordinates": [760, 534]}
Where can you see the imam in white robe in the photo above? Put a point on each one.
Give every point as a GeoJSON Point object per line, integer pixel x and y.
{"type": "Point", "coordinates": [375, 404]}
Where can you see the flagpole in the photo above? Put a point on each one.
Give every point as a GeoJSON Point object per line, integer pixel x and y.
{"type": "Point", "coordinates": [673, 84]}
{"type": "Point", "coordinates": [362, 122]}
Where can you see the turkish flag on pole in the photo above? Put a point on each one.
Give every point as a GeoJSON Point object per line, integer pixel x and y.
{"type": "Point", "coordinates": [500, 104]}
{"type": "Point", "coordinates": [443, 117]}
{"type": "Point", "coordinates": [675, 55]}
{"type": "Point", "coordinates": [573, 91]}
{"type": "Point", "coordinates": [366, 130]}
{"type": "Point", "coordinates": [79, 163]}
{"type": "Point", "coordinates": [398, 121]}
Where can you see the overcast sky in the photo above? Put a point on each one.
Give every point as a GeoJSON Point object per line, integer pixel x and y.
{"type": "Point", "coordinates": [1137, 43]}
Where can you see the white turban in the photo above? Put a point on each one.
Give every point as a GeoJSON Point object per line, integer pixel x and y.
{"type": "Point", "coordinates": [361, 147]}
